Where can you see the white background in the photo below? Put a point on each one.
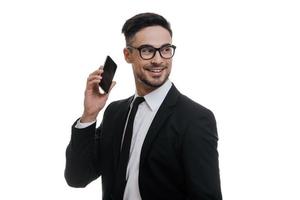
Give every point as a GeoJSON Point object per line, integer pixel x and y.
{"type": "Point", "coordinates": [238, 58]}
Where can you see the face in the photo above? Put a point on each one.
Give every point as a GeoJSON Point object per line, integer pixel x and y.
{"type": "Point", "coordinates": [149, 74]}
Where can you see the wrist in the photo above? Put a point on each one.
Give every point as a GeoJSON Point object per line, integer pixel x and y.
{"type": "Point", "coordinates": [88, 118]}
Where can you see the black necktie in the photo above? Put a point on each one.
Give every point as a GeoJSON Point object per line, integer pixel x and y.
{"type": "Point", "coordinates": [120, 181]}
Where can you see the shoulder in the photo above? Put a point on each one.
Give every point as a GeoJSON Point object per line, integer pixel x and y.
{"type": "Point", "coordinates": [192, 108]}
{"type": "Point", "coordinates": [187, 112]}
{"type": "Point", "coordinates": [195, 119]}
{"type": "Point", "coordinates": [118, 103]}
{"type": "Point", "coordinates": [116, 106]}
{"type": "Point", "coordinates": [185, 109]}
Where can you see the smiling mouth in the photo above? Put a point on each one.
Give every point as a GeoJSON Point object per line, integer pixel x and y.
{"type": "Point", "coordinates": [155, 70]}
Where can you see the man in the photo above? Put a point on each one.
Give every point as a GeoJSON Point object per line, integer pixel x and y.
{"type": "Point", "coordinates": [167, 149]}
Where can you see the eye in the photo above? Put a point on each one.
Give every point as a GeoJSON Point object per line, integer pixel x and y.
{"type": "Point", "coordinates": [167, 49]}
{"type": "Point", "coordinates": [147, 50]}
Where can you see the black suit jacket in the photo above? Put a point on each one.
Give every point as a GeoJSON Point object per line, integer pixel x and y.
{"type": "Point", "coordinates": [179, 158]}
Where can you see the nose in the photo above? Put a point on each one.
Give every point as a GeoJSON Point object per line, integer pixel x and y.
{"type": "Point", "coordinates": [157, 59]}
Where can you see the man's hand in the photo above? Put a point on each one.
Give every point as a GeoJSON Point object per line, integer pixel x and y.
{"type": "Point", "coordinates": [94, 101]}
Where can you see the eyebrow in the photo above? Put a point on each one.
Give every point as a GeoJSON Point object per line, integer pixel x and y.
{"type": "Point", "coordinates": [149, 45]}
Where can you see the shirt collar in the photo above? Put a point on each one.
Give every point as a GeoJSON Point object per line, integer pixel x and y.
{"type": "Point", "coordinates": [155, 98]}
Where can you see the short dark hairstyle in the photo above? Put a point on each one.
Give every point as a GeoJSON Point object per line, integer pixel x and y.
{"type": "Point", "coordinates": [143, 20]}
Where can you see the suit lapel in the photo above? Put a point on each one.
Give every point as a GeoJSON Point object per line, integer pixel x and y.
{"type": "Point", "coordinates": [119, 123]}
{"type": "Point", "coordinates": [163, 113]}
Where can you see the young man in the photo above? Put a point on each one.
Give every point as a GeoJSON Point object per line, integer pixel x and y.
{"type": "Point", "coordinates": [157, 144]}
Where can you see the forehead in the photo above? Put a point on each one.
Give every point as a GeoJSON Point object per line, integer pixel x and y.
{"type": "Point", "coordinates": [153, 35]}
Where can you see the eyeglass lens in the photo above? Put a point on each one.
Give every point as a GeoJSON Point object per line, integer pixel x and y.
{"type": "Point", "coordinates": [149, 52]}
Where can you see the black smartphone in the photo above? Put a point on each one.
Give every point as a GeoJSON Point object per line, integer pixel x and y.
{"type": "Point", "coordinates": [109, 70]}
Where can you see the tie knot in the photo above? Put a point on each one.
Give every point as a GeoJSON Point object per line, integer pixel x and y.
{"type": "Point", "coordinates": [137, 101]}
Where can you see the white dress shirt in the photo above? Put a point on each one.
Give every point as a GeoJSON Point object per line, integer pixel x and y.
{"type": "Point", "coordinates": [143, 119]}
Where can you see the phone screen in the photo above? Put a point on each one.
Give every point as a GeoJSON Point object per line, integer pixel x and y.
{"type": "Point", "coordinates": [109, 70]}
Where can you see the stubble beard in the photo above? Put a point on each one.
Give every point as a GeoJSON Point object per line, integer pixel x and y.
{"type": "Point", "coordinates": [154, 84]}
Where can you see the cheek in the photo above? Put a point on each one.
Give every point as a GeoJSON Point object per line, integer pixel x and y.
{"type": "Point", "coordinates": [137, 69]}
{"type": "Point", "coordinates": [169, 64]}
{"type": "Point", "coordinates": [138, 65]}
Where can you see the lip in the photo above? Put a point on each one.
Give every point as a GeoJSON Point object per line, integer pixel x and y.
{"type": "Point", "coordinates": [155, 70]}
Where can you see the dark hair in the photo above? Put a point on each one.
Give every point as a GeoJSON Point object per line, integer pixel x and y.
{"type": "Point", "coordinates": [143, 20]}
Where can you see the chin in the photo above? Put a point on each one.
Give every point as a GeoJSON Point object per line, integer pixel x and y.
{"type": "Point", "coordinates": [154, 84]}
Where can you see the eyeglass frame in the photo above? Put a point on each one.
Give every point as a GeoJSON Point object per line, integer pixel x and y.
{"type": "Point", "coordinates": [156, 49]}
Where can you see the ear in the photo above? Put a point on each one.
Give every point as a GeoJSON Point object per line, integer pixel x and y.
{"type": "Point", "coordinates": [127, 55]}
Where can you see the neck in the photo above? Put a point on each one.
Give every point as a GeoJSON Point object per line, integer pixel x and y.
{"type": "Point", "coordinates": [142, 91]}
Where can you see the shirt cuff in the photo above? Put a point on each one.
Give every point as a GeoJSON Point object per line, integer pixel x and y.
{"type": "Point", "coordinates": [81, 125]}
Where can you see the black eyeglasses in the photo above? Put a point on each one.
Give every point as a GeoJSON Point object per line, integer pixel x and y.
{"type": "Point", "coordinates": [148, 52]}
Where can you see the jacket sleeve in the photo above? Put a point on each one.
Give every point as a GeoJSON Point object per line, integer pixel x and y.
{"type": "Point", "coordinates": [200, 158]}
{"type": "Point", "coordinates": [82, 156]}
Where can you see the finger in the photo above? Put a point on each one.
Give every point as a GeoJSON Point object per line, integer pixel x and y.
{"type": "Point", "coordinates": [97, 72]}
{"type": "Point", "coordinates": [93, 82]}
{"type": "Point", "coordinates": [93, 77]}
{"type": "Point", "coordinates": [101, 67]}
